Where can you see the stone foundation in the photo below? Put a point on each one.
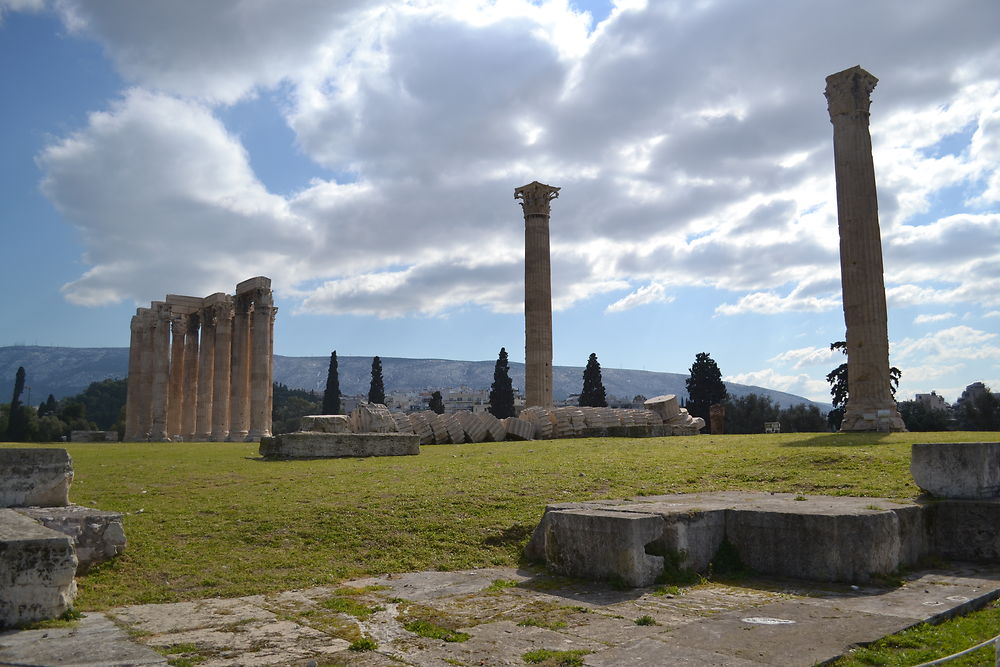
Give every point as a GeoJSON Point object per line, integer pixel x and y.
{"type": "Point", "coordinates": [34, 477]}
{"type": "Point", "coordinates": [957, 470]}
{"type": "Point", "coordinates": [306, 445]}
{"type": "Point", "coordinates": [97, 535]}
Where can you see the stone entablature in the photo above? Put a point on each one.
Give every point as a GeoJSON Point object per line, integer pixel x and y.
{"type": "Point", "coordinates": [201, 368]}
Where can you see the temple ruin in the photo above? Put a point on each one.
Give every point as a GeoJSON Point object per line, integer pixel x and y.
{"type": "Point", "coordinates": [535, 198]}
{"type": "Point", "coordinates": [870, 405]}
{"type": "Point", "coordinates": [200, 368]}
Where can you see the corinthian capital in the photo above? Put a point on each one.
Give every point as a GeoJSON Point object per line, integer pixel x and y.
{"type": "Point", "coordinates": [849, 92]}
{"type": "Point", "coordinates": [535, 197]}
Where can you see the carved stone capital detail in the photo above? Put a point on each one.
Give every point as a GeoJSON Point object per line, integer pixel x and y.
{"type": "Point", "coordinates": [849, 92]}
{"type": "Point", "coordinates": [535, 197]}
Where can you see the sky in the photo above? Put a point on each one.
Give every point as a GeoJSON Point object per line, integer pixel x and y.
{"type": "Point", "coordinates": [364, 154]}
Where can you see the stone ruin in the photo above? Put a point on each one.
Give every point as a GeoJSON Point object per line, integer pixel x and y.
{"type": "Point", "coordinates": [200, 368]}
{"type": "Point", "coordinates": [372, 430]}
{"type": "Point", "coordinates": [45, 541]}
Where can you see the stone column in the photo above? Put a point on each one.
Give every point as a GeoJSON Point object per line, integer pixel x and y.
{"type": "Point", "coordinates": [222, 310]}
{"type": "Point", "coordinates": [160, 395]}
{"type": "Point", "coordinates": [189, 405]}
{"type": "Point", "coordinates": [239, 403]}
{"type": "Point", "coordinates": [260, 366]}
{"type": "Point", "coordinates": [270, 368]}
{"type": "Point", "coordinates": [178, 329]}
{"type": "Point", "coordinates": [535, 198]}
{"type": "Point", "coordinates": [135, 350]}
{"type": "Point", "coordinates": [870, 406]}
{"type": "Point", "coordinates": [206, 376]}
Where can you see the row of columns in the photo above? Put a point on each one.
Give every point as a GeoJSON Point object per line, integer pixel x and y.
{"type": "Point", "coordinates": [201, 368]}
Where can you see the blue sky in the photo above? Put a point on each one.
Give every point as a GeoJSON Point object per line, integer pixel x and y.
{"type": "Point", "coordinates": [364, 156]}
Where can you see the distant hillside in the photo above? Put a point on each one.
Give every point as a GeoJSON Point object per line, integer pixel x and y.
{"type": "Point", "coordinates": [64, 371]}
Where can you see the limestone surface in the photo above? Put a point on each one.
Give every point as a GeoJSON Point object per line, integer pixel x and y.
{"type": "Point", "coordinates": [325, 423]}
{"type": "Point", "coordinates": [305, 445]}
{"type": "Point", "coordinates": [97, 535]}
{"type": "Point", "coordinates": [957, 470]}
{"type": "Point", "coordinates": [34, 477]}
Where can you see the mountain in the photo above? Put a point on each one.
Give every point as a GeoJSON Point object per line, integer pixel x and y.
{"type": "Point", "coordinates": [64, 371]}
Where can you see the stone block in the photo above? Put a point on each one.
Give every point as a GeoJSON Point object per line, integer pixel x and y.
{"type": "Point", "coordinates": [601, 544]}
{"type": "Point", "coordinates": [325, 424]}
{"type": "Point", "coordinates": [420, 426]}
{"type": "Point", "coordinates": [97, 535]}
{"type": "Point", "coordinates": [372, 418]}
{"type": "Point", "coordinates": [438, 426]}
{"type": "Point", "coordinates": [30, 476]}
{"type": "Point", "coordinates": [402, 422]}
{"type": "Point", "coordinates": [519, 429]}
{"type": "Point", "coordinates": [37, 565]}
{"type": "Point", "coordinates": [474, 427]}
{"type": "Point", "coordinates": [666, 406]}
{"type": "Point", "coordinates": [495, 430]}
{"type": "Point", "coordinates": [251, 284]}
{"type": "Point", "coordinates": [958, 469]}
{"type": "Point", "coordinates": [303, 445]}
{"type": "Point", "coordinates": [966, 530]}
{"type": "Point", "coordinates": [456, 433]}
{"type": "Point", "coordinates": [93, 436]}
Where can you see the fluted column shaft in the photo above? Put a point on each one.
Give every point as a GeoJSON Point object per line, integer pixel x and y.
{"type": "Point", "coordinates": [535, 198]}
{"type": "Point", "coordinates": [239, 404]}
{"type": "Point", "coordinates": [206, 377]}
{"type": "Point", "coordinates": [189, 405]}
{"type": "Point", "coordinates": [132, 392]}
{"type": "Point", "coordinates": [260, 367]}
{"type": "Point", "coordinates": [221, 381]}
{"type": "Point", "coordinates": [178, 329]}
{"type": "Point", "coordinates": [160, 399]}
{"type": "Point", "coordinates": [145, 393]}
{"type": "Point", "coordinates": [870, 404]}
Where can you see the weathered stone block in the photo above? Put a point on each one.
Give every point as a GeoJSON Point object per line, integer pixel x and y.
{"type": "Point", "coordinates": [967, 530]}
{"type": "Point", "coordinates": [34, 477]}
{"type": "Point", "coordinates": [666, 406]}
{"type": "Point", "coordinates": [93, 436]}
{"type": "Point", "coordinates": [600, 544]}
{"type": "Point", "coordinates": [325, 423]}
{"type": "Point", "coordinates": [475, 428]}
{"type": "Point", "coordinates": [519, 429]}
{"type": "Point", "coordinates": [303, 445]}
{"type": "Point", "coordinates": [97, 535]}
{"type": "Point", "coordinates": [957, 469]}
{"type": "Point", "coordinates": [37, 565]}
{"type": "Point", "coordinates": [372, 418]}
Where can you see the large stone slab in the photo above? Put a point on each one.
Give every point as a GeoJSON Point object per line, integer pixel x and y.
{"type": "Point", "coordinates": [37, 565]}
{"type": "Point", "coordinates": [303, 445]}
{"type": "Point", "coordinates": [97, 535]}
{"type": "Point", "coordinates": [94, 641]}
{"type": "Point", "coordinates": [33, 476]}
{"type": "Point", "coordinates": [957, 469]}
{"type": "Point", "coordinates": [965, 530]}
{"type": "Point", "coordinates": [325, 423]}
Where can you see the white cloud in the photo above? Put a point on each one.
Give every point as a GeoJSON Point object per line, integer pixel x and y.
{"type": "Point", "coordinates": [948, 346]}
{"type": "Point", "coordinates": [808, 356]}
{"type": "Point", "coordinates": [800, 384]}
{"type": "Point", "coordinates": [927, 318]}
{"type": "Point", "coordinates": [688, 156]}
{"type": "Point", "coordinates": [651, 293]}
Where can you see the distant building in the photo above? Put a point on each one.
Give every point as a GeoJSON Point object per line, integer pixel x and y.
{"type": "Point", "coordinates": [932, 401]}
{"type": "Point", "coordinates": [974, 390]}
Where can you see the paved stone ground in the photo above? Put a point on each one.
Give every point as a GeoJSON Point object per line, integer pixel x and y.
{"type": "Point", "coordinates": [506, 613]}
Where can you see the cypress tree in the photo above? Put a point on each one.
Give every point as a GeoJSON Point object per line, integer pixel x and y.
{"type": "Point", "coordinates": [502, 390]}
{"type": "Point", "coordinates": [376, 392]}
{"type": "Point", "coordinates": [593, 394]}
{"type": "Point", "coordinates": [331, 395]}
{"type": "Point", "coordinates": [437, 403]}
{"type": "Point", "coordinates": [15, 420]}
{"type": "Point", "coordinates": [705, 386]}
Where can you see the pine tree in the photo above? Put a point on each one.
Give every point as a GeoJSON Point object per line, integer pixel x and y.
{"type": "Point", "coordinates": [376, 392]}
{"type": "Point", "coordinates": [331, 395]}
{"type": "Point", "coordinates": [593, 394]}
{"type": "Point", "coordinates": [15, 420]}
{"type": "Point", "coordinates": [436, 403]}
{"type": "Point", "coordinates": [502, 390]}
{"type": "Point", "coordinates": [705, 386]}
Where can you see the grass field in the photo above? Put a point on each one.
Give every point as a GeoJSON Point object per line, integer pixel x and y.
{"type": "Point", "coordinates": [212, 519]}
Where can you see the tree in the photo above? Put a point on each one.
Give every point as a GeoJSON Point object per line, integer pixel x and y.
{"type": "Point", "coordinates": [436, 403]}
{"type": "Point", "coordinates": [103, 402]}
{"type": "Point", "coordinates": [979, 412]}
{"type": "Point", "coordinates": [747, 414]}
{"type": "Point", "coordinates": [290, 405]}
{"type": "Point", "coordinates": [705, 386]}
{"type": "Point", "coordinates": [919, 417]}
{"type": "Point", "coordinates": [502, 390]}
{"type": "Point", "coordinates": [593, 394]}
{"type": "Point", "coordinates": [839, 385]}
{"type": "Point", "coordinates": [17, 422]}
{"type": "Point", "coordinates": [376, 392]}
{"type": "Point", "coordinates": [802, 418]}
{"type": "Point", "coordinates": [49, 407]}
{"type": "Point", "coordinates": [331, 395]}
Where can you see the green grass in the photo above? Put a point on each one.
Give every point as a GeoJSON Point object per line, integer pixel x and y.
{"type": "Point", "coordinates": [554, 658]}
{"type": "Point", "coordinates": [924, 643]}
{"type": "Point", "coordinates": [432, 631]}
{"type": "Point", "coordinates": [213, 520]}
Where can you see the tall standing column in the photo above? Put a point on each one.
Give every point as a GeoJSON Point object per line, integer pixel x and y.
{"type": "Point", "coordinates": [178, 329]}
{"type": "Point", "coordinates": [134, 380]}
{"type": "Point", "coordinates": [239, 407]}
{"type": "Point", "coordinates": [260, 366]}
{"type": "Point", "coordinates": [870, 406]}
{"type": "Point", "coordinates": [160, 398]}
{"type": "Point", "coordinates": [191, 368]}
{"type": "Point", "coordinates": [145, 395]}
{"type": "Point", "coordinates": [222, 311]}
{"type": "Point", "coordinates": [535, 198]}
{"type": "Point", "coordinates": [206, 376]}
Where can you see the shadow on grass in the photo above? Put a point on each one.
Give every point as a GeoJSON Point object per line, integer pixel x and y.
{"type": "Point", "coordinates": [839, 440]}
